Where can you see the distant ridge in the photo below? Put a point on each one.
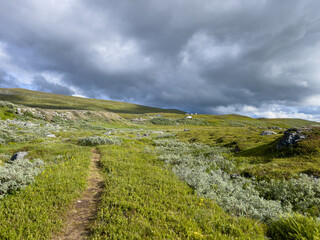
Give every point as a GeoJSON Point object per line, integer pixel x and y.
{"type": "Point", "coordinates": [45, 100]}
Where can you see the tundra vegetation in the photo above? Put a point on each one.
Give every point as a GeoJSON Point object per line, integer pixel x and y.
{"type": "Point", "coordinates": [166, 176]}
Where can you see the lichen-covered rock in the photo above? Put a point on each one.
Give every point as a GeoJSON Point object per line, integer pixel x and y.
{"type": "Point", "coordinates": [18, 156]}
{"type": "Point", "coordinates": [291, 137]}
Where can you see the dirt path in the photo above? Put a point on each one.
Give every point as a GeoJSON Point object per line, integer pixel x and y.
{"type": "Point", "coordinates": [83, 211]}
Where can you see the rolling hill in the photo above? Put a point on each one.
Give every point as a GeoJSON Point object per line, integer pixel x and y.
{"type": "Point", "coordinates": [44, 100]}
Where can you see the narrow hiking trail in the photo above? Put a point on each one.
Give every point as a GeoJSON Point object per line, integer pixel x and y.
{"type": "Point", "coordinates": [83, 211]}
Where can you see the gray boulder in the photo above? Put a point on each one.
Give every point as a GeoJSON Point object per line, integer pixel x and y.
{"type": "Point", "coordinates": [291, 137]}
{"type": "Point", "coordinates": [18, 156]}
{"type": "Point", "coordinates": [268, 133]}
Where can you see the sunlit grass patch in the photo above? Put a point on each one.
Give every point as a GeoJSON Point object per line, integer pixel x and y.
{"type": "Point", "coordinates": [295, 227]}
{"type": "Point", "coordinates": [36, 211]}
{"type": "Point", "coordinates": [144, 200]}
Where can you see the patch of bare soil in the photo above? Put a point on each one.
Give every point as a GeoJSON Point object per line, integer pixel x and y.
{"type": "Point", "coordinates": [83, 211]}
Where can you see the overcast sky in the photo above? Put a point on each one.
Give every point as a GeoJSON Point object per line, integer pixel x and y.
{"type": "Point", "coordinates": [259, 58]}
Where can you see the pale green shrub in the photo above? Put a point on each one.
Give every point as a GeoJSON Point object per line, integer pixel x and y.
{"type": "Point", "coordinates": [18, 174]}
{"type": "Point", "coordinates": [22, 131]}
{"type": "Point", "coordinates": [208, 172]}
{"type": "Point", "coordinates": [96, 140]}
{"type": "Point", "coordinates": [302, 193]}
{"type": "Point", "coordinates": [236, 196]}
{"type": "Point", "coordinates": [7, 104]}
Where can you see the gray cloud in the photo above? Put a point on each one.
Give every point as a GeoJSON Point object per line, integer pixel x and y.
{"type": "Point", "coordinates": [199, 56]}
{"type": "Point", "coordinates": [8, 81]}
{"type": "Point", "coordinates": [40, 83]}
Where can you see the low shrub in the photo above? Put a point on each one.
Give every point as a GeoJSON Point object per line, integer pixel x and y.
{"type": "Point", "coordinates": [237, 196]}
{"type": "Point", "coordinates": [7, 104]}
{"type": "Point", "coordinates": [183, 121]}
{"type": "Point", "coordinates": [211, 175]}
{"type": "Point", "coordinates": [162, 121]}
{"type": "Point", "coordinates": [95, 140]}
{"type": "Point", "coordinates": [302, 193]}
{"type": "Point", "coordinates": [294, 227]}
{"type": "Point", "coordinates": [193, 121]}
{"type": "Point", "coordinates": [18, 174]}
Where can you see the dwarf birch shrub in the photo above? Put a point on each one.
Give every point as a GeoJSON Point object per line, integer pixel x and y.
{"type": "Point", "coordinates": [18, 174]}
{"type": "Point", "coordinates": [94, 141]}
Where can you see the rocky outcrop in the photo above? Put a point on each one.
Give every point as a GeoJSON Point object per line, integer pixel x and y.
{"type": "Point", "coordinates": [50, 114]}
{"type": "Point", "coordinates": [291, 137]}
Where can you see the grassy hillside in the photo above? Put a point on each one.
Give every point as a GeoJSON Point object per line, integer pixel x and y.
{"type": "Point", "coordinates": [254, 153]}
{"type": "Point", "coordinates": [165, 176]}
{"type": "Point", "coordinates": [56, 101]}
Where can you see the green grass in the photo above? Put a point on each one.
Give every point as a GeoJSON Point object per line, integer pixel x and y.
{"type": "Point", "coordinates": [257, 155]}
{"type": "Point", "coordinates": [6, 113]}
{"type": "Point", "coordinates": [295, 227]}
{"type": "Point", "coordinates": [36, 211]}
{"type": "Point", "coordinates": [143, 200]}
{"type": "Point", "coordinates": [56, 101]}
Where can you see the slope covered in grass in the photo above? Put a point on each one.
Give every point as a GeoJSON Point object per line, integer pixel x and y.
{"type": "Point", "coordinates": [36, 211]}
{"type": "Point", "coordinates": [143, 200]}
{"type": "Point", "coordinates": [144, 195]}
{"type": "Point", "coordinates": [56, 101]}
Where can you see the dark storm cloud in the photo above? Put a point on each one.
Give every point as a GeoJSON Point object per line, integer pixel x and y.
{"type": "Point", "coordinates": [205, 56]}
{"type": "Point", "coordinates": [40, 83]}
{"type": "Point", "coordinates": [8, 81]}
